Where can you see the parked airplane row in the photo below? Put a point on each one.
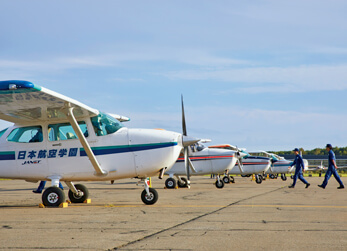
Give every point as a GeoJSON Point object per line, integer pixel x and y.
{"type": "Point", "coordinates": [56, 138]}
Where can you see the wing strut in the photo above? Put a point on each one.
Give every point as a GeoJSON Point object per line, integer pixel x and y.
{"type": "Point", "coordinates": [69, 113]}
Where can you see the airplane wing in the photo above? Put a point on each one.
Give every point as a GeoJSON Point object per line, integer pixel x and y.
{"type": "Point", "coordinates": [23, 101]}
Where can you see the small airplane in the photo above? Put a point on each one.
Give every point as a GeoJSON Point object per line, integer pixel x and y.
{"type": "Point", "coordinates": [246, 164]}
{"type": "Point", "coordinates": [201, 160]}
{"type": "Point", "coordinates": [279, 165]}
{"type": "Point", "coordinates": [321, 167]}
{"type": "Point", "coordinates": [56, 138]}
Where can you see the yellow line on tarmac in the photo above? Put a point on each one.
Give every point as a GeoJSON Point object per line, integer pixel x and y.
{"type": "Point", "coordinates": [292, 206]}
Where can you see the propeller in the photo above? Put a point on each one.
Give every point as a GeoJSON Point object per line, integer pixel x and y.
{"type": "Point", "coordinates": [240, 155]}
{"type": "Point", "coordinates": [186, 142]}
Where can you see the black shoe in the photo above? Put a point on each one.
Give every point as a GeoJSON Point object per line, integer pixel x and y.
{"type": "Point", "coordinates": [291, 186]}
{"type": "Point", "coordinates": [37, 191]}
{"type": "Point", "coordinates": [341, 187]}
{"type": "Point", "coordinates": [321, 186]}
{"type": "Point", "coordinates": [307, 185]}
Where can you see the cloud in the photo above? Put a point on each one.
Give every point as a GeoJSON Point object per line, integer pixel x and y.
{"type": "Point", "coordinates": [254, 129]}
{"type": "Point", "coordinates": [274, 79]}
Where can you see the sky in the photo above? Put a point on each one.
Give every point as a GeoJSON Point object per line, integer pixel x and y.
{"type": "Point", "coordinates": [261, 75]}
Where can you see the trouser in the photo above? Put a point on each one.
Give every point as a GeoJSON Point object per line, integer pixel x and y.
{"type": "Point", "coordinates": [298, 174]}
{"type": "Point", "coordinates": [331, 171]}
{"type": "Point", "coordinates": [43, 183]}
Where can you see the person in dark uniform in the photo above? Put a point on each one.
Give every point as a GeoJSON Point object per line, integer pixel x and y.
{"type": "Point", "coordinates": [299, 168]}
{"type": "Point", "coordinates": [42, 186]}
{"type": "Point", "coordinates": [332, 169]}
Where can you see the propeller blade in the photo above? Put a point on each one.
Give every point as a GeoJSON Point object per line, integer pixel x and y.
{"type": "Point", "coordinates": [272, 165]}
{"type": "Point", "coordinates": [184, 128]}
{"type": "Point", "coordinates": [240, 164]}
{"type": "Point", "coordinates": [191, 165]}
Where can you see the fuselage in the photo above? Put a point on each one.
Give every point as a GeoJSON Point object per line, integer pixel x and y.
{"type": "Point", "coordinates": [252, 165]}
{"type": "Point", "coordinates": [57, 152]}
{"type": "Point", "coordinates": [205, 161]}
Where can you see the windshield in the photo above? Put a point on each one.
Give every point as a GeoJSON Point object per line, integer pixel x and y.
{"type": "Point", "coordinates": [104, 124]}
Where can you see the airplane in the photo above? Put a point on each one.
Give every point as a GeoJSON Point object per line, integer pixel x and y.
{"type": "Point", "coordinates": [246, 164]}
{"type": "Point", "coordinates": [56, 138]}
{"type": "Point", "coordinates": [279, 165]}
{"type": "Point", "coordinates": [201, 160]}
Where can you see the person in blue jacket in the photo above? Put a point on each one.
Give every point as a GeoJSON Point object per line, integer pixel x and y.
{"type": "Point", "coordinates": [299, 168]}
{"type": "Point", "coordinates": [332, 169]}
{"type": "Point", "coordinates": [42, 186]}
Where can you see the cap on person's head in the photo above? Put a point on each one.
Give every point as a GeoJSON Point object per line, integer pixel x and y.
{"type": "Point", "coordinates": [296, 150]}
{"type": "Point", "coordinates": [329, 146]}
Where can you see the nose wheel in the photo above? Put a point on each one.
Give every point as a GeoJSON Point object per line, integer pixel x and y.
{"type": "Point", "coordinates": [149, 198]}
{"type": "Point", "coordinates": [149, 195]}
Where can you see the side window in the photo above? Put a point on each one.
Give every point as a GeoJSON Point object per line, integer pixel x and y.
{"type": "Point", "coordinates": [64, 131]}
{"type": "Point", "coordinates": [28, 134]}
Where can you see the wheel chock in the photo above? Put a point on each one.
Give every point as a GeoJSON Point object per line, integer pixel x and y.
{"type": "Point", "coordinates": [87, 201]}
{"type": "Point", "coordinates": [176, 187]}
{"type": "Point", "coordinates": [63, 205]}
{"type": "Point", "coordinates": [68, 202]}
{"type": "Point", "coordinates": [41, 205]}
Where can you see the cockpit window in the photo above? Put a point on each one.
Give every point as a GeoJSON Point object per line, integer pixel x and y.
{"type": "Point", "coordinates": [27, 134]}
{"type": "Point", "coordinates": [197, 147]}
{"type": "Point", "coordinates": [104, 124]}
{"type": "Point", "coordinates": [2, 132]}
{"type": "Point", "coordinates": [64, 131]}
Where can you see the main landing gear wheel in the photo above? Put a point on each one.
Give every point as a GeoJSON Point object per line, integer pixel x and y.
{"type": "Point", "coordinates": [271, 176]}
{"type": "Point", "coordinates": [170, 183]}
{"type": "Point", "coordinates": [219, 184]}
{"type": "Point", "coordinates": [232, 180]}
{"type": "Point", "coordinates": [258, 179]}
{"type": "Point", "coordinates": [53, 197]}
{"type": "Point", "coordinates": [151, 198]}
{"type": "Point", "coordinates": [283, 177]}
{"type": "Point", "coordinates": [182, 184]}
{"type": "Point", "coordinates": [226, 179]}
{"type": "Point", "coordinates": [81, 196]}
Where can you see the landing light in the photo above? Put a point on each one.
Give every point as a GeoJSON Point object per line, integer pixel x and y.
{"type": "Point", "coordinates": [12, 87]}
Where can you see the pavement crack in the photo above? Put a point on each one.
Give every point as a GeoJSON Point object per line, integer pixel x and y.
{"type": "Point", "coordinates": [194, 219]}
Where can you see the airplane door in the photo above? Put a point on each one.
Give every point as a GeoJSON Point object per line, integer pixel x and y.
{"type": "Point", "coordinates": [30, 151]}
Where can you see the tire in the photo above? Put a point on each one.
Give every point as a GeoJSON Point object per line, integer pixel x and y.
{"type": "Point", "coordinates": [283, 177]}
{"type": "Point", "coordinates": [271, 176]}
{"type": "Point", "coordinates": [149, 200]}
{"type": "Point", "coordinates": [219, 184]}
{"type": "Point", "coordinates": [226, 179]}
{"type": "Point", "coordinates": [170, 183]}
{"type": "Point", "coordinates": [232, 180]}
{"type": "Point", "coordinates": [74, 198]}
{"type": "Point", "coordinates": [53, 197]}
{"type": "Point", "coordinates": [258, 179]}
{"type": "Point", "coordinates": [182, 184]}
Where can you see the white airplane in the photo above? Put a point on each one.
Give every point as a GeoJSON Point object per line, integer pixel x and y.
{"type": "Point", "coordinates": [201, 160]}
{"type": "Point", "coordinates": [246, 164]}
{"type": "Point", "coordinates": [279, 164]}
{"type": "Point", "coordinates": [55, 138]}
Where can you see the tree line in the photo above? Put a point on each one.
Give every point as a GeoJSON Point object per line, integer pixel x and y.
{"type": "Point", "coordinates": [316, 151]}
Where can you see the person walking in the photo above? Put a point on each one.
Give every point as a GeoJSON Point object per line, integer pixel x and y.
{"type": "Point", "coordinates": [299, 168]}
{"type": "Point", "coordinates": [332, 169]}
{"type": "Point", "coordinates": [42, 186]}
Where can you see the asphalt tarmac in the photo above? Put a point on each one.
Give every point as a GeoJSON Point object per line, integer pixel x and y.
{"type": "Point", "coordinates": [242, 216]}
